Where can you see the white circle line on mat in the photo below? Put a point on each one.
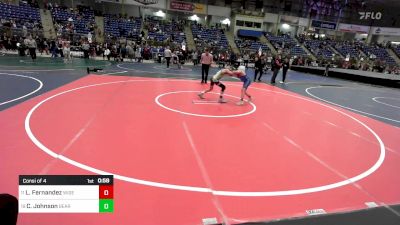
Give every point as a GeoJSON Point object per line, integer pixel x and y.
{"type": "Point", "coordinates": [203, 189]}
{"type": "Point", "coordinates": [384, 103]}
{"type": "Point", "coordinates": [26, 95]}
{"type": "Point", "coordinates": [157, 100]}
{"type": "Point", "coordinates": [346, 107]}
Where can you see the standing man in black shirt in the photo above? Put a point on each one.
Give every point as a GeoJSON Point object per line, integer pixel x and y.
{"type": "Point", "coordinates": [258, 68]}
{"type": "Point", "coordinates": [328, 64]}
{"type": "Point", "coordinates": [276, 65]}
{"type": "Point", "coordinates": [285, 68]}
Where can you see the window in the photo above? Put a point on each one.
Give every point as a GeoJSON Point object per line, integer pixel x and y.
{"type": "Point", "coordinates": [248, 24]}
{"type": "Point", "coordinates": [257, 25]}
{"type": "Point", "coordinates": [239, 23]}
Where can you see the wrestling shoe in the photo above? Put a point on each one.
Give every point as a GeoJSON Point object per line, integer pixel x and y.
{"type": "Point", "coordinates": [240, 103]}
{"type": "Point", "coordinates": [222, 100]}
{"type": "Point", "coordinates": [201, 95]}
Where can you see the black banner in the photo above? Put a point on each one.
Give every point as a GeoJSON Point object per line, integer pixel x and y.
{"type": "Point", "coordinates": [323, 25]}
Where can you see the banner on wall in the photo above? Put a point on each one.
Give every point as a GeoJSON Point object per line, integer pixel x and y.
{"type": "Point", "coordinates": [188, 7]}
{"type": "Point", "coordinates": [303, 22]}
{"type": "Point", "coordinates": [147, 2]}
{"type": "Point", "coordinates": [290, 19]}
{"type": "Point", "coordinates": [353, 28]}
{"type": "Point", "coordinates": [160, 4]}
{"type": "Point", "coordinates": [323, 24]}
{"type": "Point", "coordinates": [386, 31]}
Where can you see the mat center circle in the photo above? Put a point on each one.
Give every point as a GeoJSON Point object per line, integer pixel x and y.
{"type": "Point", "coordinates": [188, 103]}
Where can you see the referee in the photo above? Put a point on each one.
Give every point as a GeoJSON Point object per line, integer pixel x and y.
{"type": "Point", "coordinates": [206, 60]}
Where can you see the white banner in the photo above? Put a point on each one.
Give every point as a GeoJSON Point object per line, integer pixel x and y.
{"type": "Point", "coordinates": [303, 22]}
{"type": "Point", "coordinates": [270, 17]}
{"type": "Point", "coordinates": [386, 31]}
{"type": "Point", "coordinates": [290, 19]}
{"type": "Point", "coordinates": [219, 11]}
{"type": "Point", "coordinates": [353, 28]}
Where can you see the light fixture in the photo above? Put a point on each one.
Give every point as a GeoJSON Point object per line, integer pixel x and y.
{"type": "Point", "coordinates": [226, 21]}
{"type": "Point", "coordinates": [159, 13]}
{"type": "Point", "coordinates": [194, 18]}
{"type": "Point", "coordinates": [285, 26]}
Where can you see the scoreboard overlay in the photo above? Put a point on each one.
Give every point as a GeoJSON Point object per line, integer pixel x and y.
{"type": "Point", "coordinates": [66, 194]}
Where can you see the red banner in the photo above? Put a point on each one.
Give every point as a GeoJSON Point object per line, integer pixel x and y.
{"type": "Point", "coordinates": [185, 6]}
{"type": "Point", "coordinates": [188, 7]}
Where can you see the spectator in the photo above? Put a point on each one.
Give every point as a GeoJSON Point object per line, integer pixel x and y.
{"type": "Point", "coordinates": [285, 68]}
{"type": "Point", "coordinates": [233, 58]}
{"type": "Point", "coordinates": [31, 44]}
{"type": "Point", "coordinates": [327, 69]}
{"type": "Point", "coordinates": [138, 54]}
{"type": "Point", "coordinates": [107, 53]}
{"type": "Point", "coordinates": [24, 31]}
{"type": "Point", "coordinates": [195, 58]}
{"type": "Point", "coordinates": [258, 68]}
{"type": "Point", "coordinates": [67, 50]}
{"type": "Point", "coordinates": [277, 64]}
{"type": "Point", "coordinates": [130, 52]}
{"type": "Point", "coordinates": [246, 58]}
{"type": "Point", "coordinates": [85, 48]}
{"type": "Point", "coordinates": [123, 52]}
{"type": "Point", "coordinates": [167, 55]}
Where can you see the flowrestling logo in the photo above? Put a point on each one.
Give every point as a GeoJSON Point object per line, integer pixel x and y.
{"type": "Point", "coordinates": [370, 15]}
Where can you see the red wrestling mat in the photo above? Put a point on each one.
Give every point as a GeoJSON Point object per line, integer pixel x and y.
{"type": "Point", "coordinates": [178, 159]}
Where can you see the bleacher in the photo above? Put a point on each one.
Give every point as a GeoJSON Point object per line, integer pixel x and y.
{"type": "Point", "coordinates": [346, 48]}
{"type": "Point", "coordinates": [250, 45]}
{"type": "Point", "coordinates": [81, 19]}
{"type": "Point", "coordinates": [21, 14]}
{"type": "Point", "coordinates": [396, 50]}
{"type": "Point", "coordinates": [286, 44]}
{"type": "Point", "coordinates": [211, 36]}
{"type": "Point", "coordinates": [120, 27]}
{"type": "Point", "coordinates": [297, 50]}
{"type": "Point", "coordinates": [380, 54]}
{"type": "Point", "coordinates": [162, 30]}
{"type": "Point", "coordinates": [319, 48]}
{"type": "Point", "coordinates": [280, 40]}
